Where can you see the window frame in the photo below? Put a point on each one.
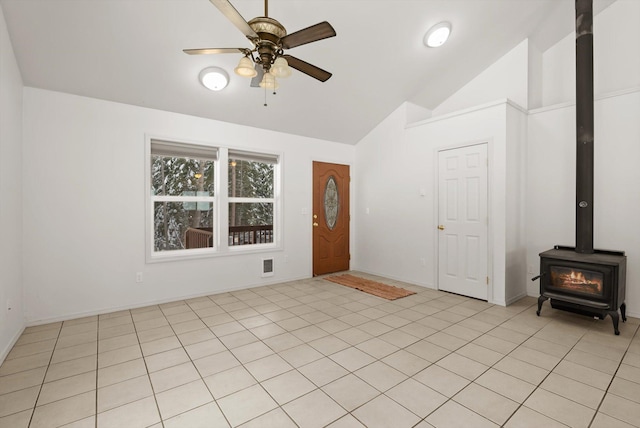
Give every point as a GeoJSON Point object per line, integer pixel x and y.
{"type": "Point", "coordinates": [221, 202]}
{"type": "Point", "coordinates": [244, 155]}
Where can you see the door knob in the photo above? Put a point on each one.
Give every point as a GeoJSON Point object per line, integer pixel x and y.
{"type": "Point", "coordinates": [315, 224]}
{"type": "Point", "coordinates": [441, 227]}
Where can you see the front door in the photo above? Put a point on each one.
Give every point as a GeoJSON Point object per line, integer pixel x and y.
{"type": "Point", "coordinates": [463, 221]}
{"type": "Point", "coordinates": [330, 218]}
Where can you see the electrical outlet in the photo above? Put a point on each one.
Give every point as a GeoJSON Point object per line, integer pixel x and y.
{"type": "Point", "coordinates": [139, 278]}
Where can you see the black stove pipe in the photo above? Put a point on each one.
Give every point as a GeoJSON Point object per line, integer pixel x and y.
{"type": "Point", "coordinates": [584, 126]}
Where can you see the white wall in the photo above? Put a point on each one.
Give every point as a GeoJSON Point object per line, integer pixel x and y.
{"type": "Point", "coordinates": [515, 187]}
{"type": "Point", "coordinates": [84, 214]}
{"type": "Point", "coordinates": [551, 183]}
{"type": "Point", "coordinates": [397, 224]}
{"type": "Point", "coordinates": [616, 35]}
{"type": "Point", "coordinates": [504, 79]}
{"type": "Point", "coordinates": [11, 174]}
{"type": "Point", "coordinates": [550, 188]}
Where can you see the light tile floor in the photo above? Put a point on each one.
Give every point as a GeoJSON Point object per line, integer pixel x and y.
{"type": "Point", "coordinates": [311, 353]}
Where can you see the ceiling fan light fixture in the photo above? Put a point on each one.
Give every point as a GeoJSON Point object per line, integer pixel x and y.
{"type": "Point", "coordinates": [269, 81]}
{"type": "Point", "coordinates": [437, 35]}
{"type": "Point", "coordinates": [245, 68]}
{"type": "Point", "coordinates": [214, 78]}
{"type": "Point", "coordinates": [280, 68]}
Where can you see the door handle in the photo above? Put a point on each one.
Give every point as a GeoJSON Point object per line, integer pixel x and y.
{"type": "Point", "coordinates": [440, 227]}
{"type": "Point", "coordinates": [315, 224]}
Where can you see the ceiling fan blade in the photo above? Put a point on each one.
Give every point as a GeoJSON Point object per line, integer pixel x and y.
{"type": "Point", "coordinates": [255, 82]}
{"type": "Point", "coordinates": [320, 31]}
{"type": "Point", "coordinates": [209, 51]}
{"type": "Point", "coordinates": [308, 69]}
{"type": "Point", "coordinates": [234, 16]}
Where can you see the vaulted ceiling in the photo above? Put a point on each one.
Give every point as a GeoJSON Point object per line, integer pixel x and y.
{"type": "Point", "coordinates": [130, 51]}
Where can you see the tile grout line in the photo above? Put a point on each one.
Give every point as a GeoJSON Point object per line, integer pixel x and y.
{"type": "Point", "coordinates": [35, 403]}
{"type": "Point", "coordinates": [312, 297]}
{"type": "Point", "coordinates": [539, 385]}
{"type": "Point", "coordinates": [196, 367]}
{"type": "Point", "coordinates": [612, 379]}
{"type": "Point", "coordinates": [95, 415]}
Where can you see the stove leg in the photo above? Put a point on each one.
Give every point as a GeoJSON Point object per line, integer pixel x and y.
{"type": "Point", "coordinates": [541, 300]}
{"type": "Point", "coordinates": [623, 311]}
{"type": "Point", "coordinates": [615, 318]}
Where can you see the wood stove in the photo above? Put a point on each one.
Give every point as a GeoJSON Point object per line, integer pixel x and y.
{"type": "Point", "coordinates": [582, 279]}
{"type": "Point", "coordinates": [588, 284]}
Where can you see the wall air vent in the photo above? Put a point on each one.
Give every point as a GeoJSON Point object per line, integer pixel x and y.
{"type": "Point", "coordinates": [267, 267]}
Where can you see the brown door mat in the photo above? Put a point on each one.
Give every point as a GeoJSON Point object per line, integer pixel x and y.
{"type": "Point", "coordinates": [379, 289]}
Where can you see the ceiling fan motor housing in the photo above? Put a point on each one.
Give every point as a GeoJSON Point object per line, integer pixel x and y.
{"type": "Point", "coordinates": [270, 32]}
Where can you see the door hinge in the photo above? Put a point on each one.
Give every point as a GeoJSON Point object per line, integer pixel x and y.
{"type": "Point", "coordinates": [487, 280]}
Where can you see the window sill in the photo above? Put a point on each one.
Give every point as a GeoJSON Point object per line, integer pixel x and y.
{"type": "Point", "coordinates": [180, 255]}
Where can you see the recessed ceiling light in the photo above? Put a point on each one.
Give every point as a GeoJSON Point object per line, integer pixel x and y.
{"type": "Point", "coordinates": [214, 78]}
{"type": "Point", "coordinates": [437, 35]}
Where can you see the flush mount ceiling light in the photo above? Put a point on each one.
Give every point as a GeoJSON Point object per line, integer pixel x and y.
{"type": "Point", "coordinates": [437, 35]}
{"type": "Point", "coordinates": [214, 78]}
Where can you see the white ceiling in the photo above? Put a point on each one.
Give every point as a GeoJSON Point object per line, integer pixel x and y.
{"type": "Point", "coordinates": [130, 51]}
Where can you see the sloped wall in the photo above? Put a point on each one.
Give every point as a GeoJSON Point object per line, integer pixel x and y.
{"type": "Point", "coordinates": [506, 78]}
{"type": "Point", "coordinates": [616, 34]}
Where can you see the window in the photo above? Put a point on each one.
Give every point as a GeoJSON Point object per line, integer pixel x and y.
{"type": "Point", "coordinates": [251, 198]}
{"type": "Point", "coordinates": [189, 213]}
{"type": "Point", "coordinates": [183, 196]}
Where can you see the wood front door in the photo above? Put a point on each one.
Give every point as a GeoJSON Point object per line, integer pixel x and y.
{"type": "Point", "coordinates": [462, 221]}
{"type": "Point", "coordinates": [330, 218]}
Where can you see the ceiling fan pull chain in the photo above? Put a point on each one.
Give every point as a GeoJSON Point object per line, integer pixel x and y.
{"type": "Point", "coordinates": [265, 97]}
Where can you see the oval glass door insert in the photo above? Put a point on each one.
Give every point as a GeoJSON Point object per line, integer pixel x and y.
{"type": "Point", "coordinates": [331, 202]}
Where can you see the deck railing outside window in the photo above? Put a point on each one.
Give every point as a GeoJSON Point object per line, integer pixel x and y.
{"type": "Point", "coordinates": [238, 235]}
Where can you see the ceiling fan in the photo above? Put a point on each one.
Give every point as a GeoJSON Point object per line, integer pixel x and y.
{"type": "Point", "coordinates": [267, 60]}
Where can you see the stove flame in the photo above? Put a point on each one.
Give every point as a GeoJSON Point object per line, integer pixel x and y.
{"type": "Point", "coordinates": [577, 277]}
{"type": "Point", "coordinates": [577, 280]}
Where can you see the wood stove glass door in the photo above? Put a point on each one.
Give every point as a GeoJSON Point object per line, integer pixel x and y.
{"type": "Point", "coordinates": [462, 221]}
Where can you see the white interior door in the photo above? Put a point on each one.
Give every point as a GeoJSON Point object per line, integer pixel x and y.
{"type": "Point", "coordinates": [463, 221]}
